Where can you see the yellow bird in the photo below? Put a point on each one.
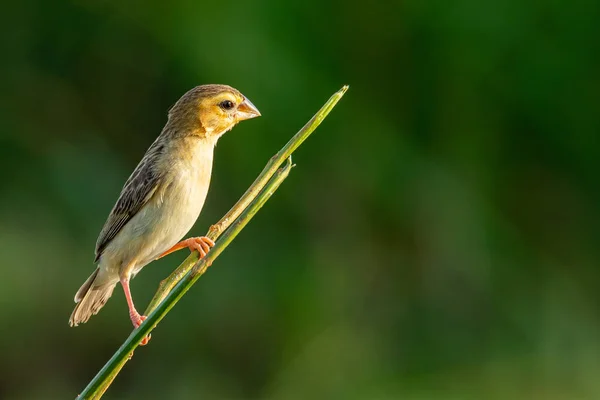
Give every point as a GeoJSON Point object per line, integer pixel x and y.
{"type": "Point", "coordinates": [163, 197]}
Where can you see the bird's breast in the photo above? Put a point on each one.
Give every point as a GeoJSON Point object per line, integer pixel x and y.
{"type": "Point", "coordinates": [187, 182]}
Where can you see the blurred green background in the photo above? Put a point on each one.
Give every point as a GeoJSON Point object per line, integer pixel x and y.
{"type": "Point", "coordinates": [438, 239]}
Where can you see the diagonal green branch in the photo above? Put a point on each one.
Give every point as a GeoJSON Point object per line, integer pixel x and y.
{"type": "Point", "coordinates": [179, 282]}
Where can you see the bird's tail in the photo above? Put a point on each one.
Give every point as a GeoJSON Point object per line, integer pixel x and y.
{"type": "Point", "coordinates": [90, 298]}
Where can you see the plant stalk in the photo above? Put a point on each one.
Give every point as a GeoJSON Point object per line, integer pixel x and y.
{"type": "Point", "coordinates": [177, 283]}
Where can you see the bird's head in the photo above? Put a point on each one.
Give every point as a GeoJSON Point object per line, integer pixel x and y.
{"type": "Point", "coordinates": [210, 111]}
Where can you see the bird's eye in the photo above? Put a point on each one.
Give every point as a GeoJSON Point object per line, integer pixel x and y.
{"type": "Point", "coordinates": [226, 104]}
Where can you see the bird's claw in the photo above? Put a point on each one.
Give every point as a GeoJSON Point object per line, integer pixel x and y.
{"type": "Point", "coordinates": [201, 244]}
{"type": "Point", "coordinates": [137, 320]}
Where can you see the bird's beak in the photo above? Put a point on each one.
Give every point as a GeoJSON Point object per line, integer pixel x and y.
{"type": "Point", "coordinates": [247, 110]}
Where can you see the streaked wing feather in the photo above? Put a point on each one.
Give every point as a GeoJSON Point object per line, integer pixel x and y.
{"type": "Point", "coordinates": [137, 191]}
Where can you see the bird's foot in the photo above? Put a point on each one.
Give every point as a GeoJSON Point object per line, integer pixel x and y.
{"type": "Point", "coordinates": [201, 244]}
{"type": "Point", "coordinates": [137, 320]}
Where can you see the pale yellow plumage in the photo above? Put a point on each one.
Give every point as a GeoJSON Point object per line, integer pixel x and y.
{"type": "Point", "coordinates": [163, 197]}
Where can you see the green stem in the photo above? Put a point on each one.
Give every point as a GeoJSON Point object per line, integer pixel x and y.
{"type": "Point", "coordinates": [174, 286]}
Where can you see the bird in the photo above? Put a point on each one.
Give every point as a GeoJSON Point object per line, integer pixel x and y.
{"type": "Point", "coordinates": [163, 197]}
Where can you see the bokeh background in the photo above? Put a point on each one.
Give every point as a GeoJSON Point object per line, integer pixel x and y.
{"type": "Point", "coordinates": [439, 238]}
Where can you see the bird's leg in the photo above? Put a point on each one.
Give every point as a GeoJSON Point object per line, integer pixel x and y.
{"type": "Point", "coordinates": [136, 318]}
{"type": "Point", "coordinates": [202, 244]}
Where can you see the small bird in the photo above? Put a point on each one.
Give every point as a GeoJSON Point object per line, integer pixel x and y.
{"type": "Point", "coordinates": [163, 197]}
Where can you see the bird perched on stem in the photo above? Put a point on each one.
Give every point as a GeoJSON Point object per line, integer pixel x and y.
{"type": "Point", "coordinates": [163, 197]}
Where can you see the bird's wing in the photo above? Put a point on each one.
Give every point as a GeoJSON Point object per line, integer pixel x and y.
{"type": "Point", "coordinates": [137, 191]}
